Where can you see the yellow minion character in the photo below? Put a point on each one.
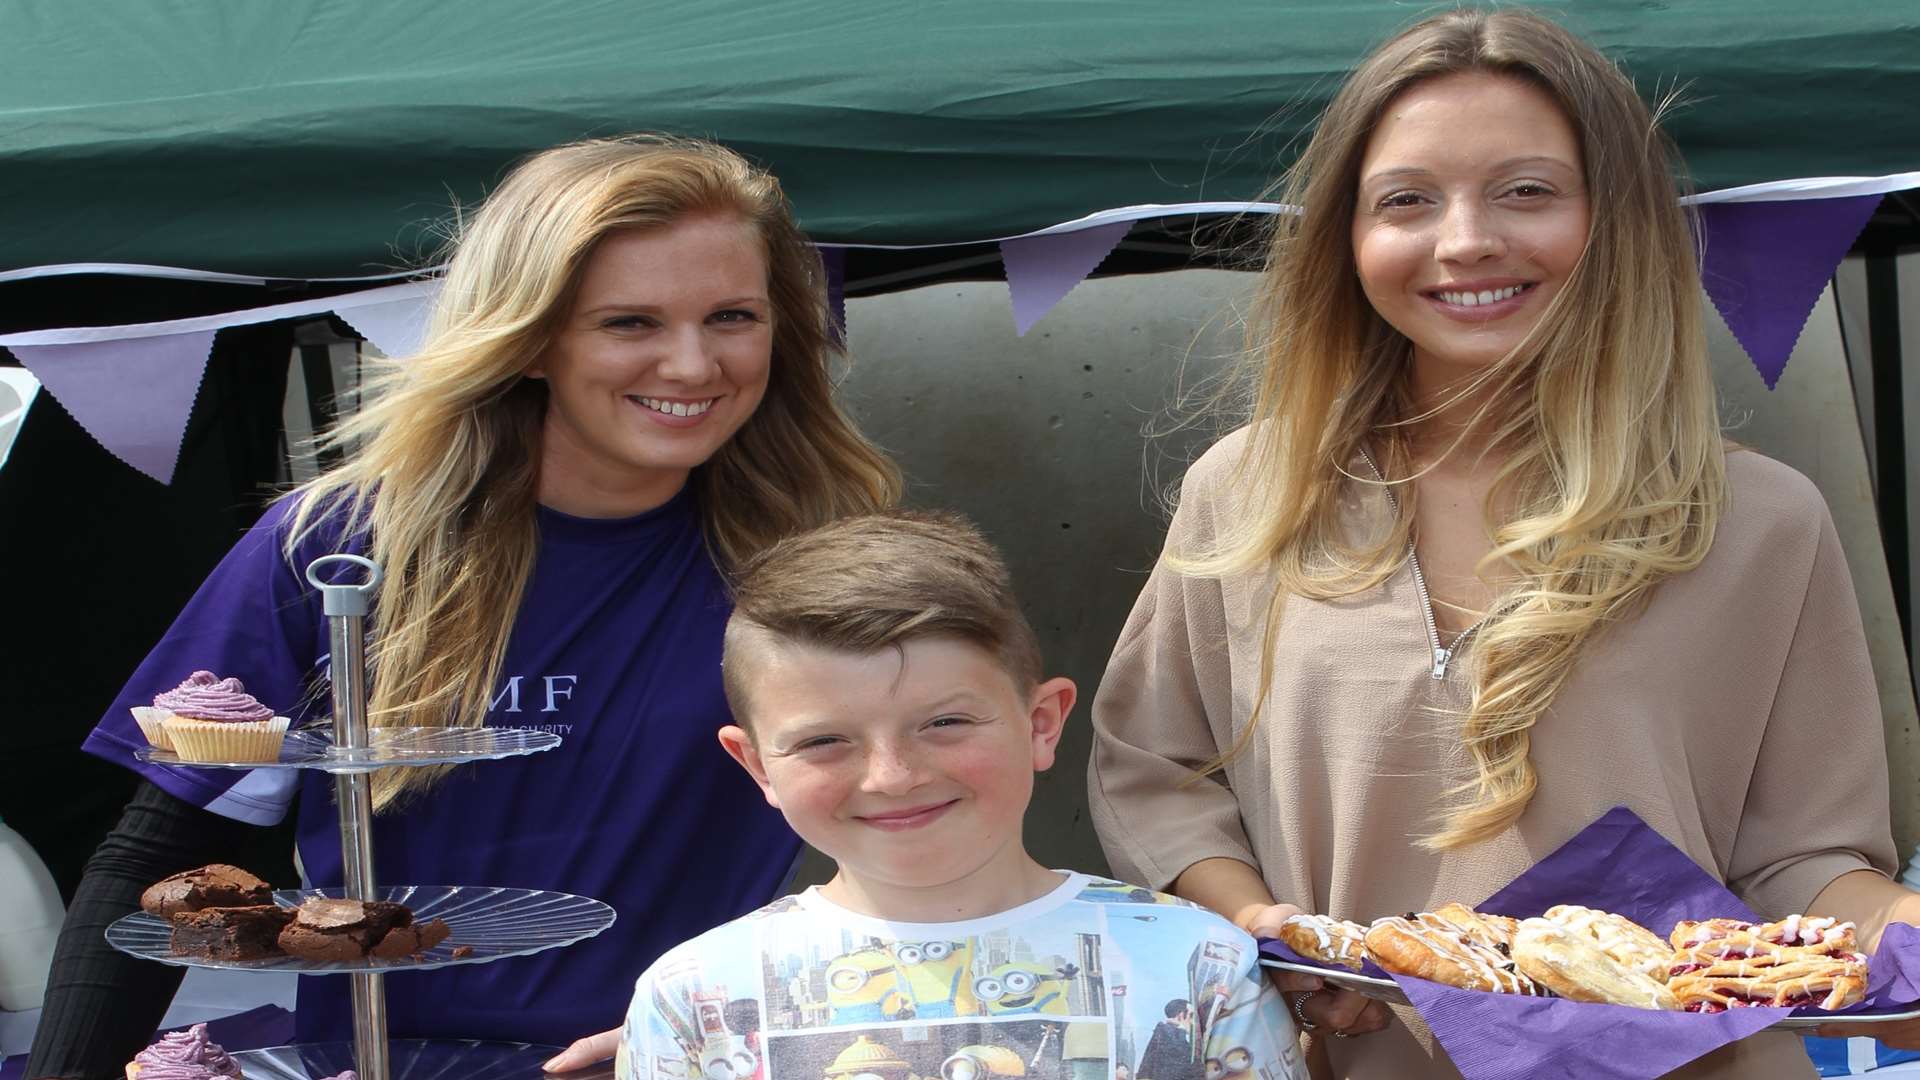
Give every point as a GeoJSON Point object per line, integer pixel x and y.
{"type": "Point", "coordinates": [983, 1063]}
{"type": "Point", "coordinates": [933, 976]}
{"type": "Point", "coordinates": [862, 987]}
{"type": "Point", "coordinates": [1228, 1062]}
{"type": "Point", "coordinates": [1024, 987]}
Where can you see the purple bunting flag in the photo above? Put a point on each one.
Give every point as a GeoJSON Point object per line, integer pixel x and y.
{"type": "Point", "coordinates": [1766, 263]}
{"type": "Point", "coordinates": [1042, 270]}
{"type": "Point", "coordinates": [133, 395]}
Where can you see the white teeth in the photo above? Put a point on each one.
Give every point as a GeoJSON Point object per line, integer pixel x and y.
{"type": "Point", "coordinates": [1485, 296]}
{"type": "Point", "coordinates": [676, 408]}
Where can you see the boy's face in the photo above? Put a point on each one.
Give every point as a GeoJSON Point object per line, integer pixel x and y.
{"type": "Point", "coordinates": [910, 768]}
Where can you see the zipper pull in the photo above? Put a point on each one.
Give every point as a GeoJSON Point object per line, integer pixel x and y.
{"type": "Point", "coordinates": [1440, 659]}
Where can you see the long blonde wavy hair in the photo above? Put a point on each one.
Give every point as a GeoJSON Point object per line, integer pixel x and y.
{"type": "Point", "coordinates": [1614, 475]}
{"type": "Point", "coordinates": [444, 461]}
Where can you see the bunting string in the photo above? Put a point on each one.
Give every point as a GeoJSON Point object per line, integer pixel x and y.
{"type": "Point", "coordinates": [1769, 251]}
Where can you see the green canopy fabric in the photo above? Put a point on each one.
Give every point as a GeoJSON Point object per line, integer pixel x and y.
{"type": "Point", "coordinates": [310, 138]}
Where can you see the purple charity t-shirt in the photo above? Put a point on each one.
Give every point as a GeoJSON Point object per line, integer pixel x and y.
{"type": "Point", "coordinates": [617, 649]}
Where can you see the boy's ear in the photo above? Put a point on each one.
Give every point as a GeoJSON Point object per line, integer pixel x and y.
{"type": "Point", "coordinates": [739, 747]}
{"type": "Point", "coordinates": [1047, 711]}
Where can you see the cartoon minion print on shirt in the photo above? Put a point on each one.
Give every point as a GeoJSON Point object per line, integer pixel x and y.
{"type": "Point", "coordinates": [933, 977]}
{"type": "Point", "coordinates": [862, 987]}
{"type": "Point", "coordinates": [1024, 987]}
{"type": "Point", "coordinates": [983, 1063]}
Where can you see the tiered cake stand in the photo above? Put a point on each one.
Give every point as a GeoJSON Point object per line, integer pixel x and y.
{"type": "Point", "coordinates": [485, 924]}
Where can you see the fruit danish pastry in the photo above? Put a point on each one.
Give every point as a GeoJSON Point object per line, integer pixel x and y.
{"type": "Point", "coordinates": [1572, 962]}
{"type": "Point", "coordinates": [1722, 964]}
{"type": "Point", "coordinates": [1488, 931]}
{"type": "Point", "coordinates": [1729, 937]}
{"type": "Point", "coordinates": [1622, 939]}
{"type": "Point", "coordinates": [1427, 946]}
{"type": "Point", "coordinates": [1326, 939]}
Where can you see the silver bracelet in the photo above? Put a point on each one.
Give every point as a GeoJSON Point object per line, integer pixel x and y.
{"type": "Point", "coordinates": [1300, 1013]}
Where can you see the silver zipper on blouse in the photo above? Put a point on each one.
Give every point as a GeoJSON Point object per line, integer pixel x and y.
{"type": "Point", "coordinates": [1442, 655]}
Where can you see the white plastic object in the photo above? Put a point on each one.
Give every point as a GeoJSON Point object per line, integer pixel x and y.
{"type": "Point", "coordinates": [34, 914]}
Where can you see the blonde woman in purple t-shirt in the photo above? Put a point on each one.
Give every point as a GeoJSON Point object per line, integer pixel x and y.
{"type": "Point", "coordinates": [631, 333]}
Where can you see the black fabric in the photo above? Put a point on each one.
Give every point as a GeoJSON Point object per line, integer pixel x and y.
{"type": "Point", "coordinates": [99, 559]}
{"type": "Point", "coordinates": [102, 1005]}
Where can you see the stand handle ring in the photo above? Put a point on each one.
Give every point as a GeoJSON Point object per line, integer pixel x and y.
{"type": "Point", "coordinates": [344, 599]}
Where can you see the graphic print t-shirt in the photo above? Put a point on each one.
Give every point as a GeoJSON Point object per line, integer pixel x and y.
{"type": "Point", "coordinates": [616, 649]}
{"type": "Point", "coordinates": [1068, 987]}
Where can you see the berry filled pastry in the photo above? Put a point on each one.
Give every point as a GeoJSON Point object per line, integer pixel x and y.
{"type": "Point", "coordinates": [1429, 947]}
{"type": "Point", "coordinates": [1722, 964]}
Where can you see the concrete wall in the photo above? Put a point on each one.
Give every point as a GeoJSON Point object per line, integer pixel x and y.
{"type": "Point", "coordinates": [1042, 441]}
{"type": "Point", "coordinates": [1810, 421]}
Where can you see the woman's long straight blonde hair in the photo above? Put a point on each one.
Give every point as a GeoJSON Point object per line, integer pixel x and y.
{"type": "Point", "coordinates": [1614, 476]}
{"type": "Point", "coordinates": [443, 462]}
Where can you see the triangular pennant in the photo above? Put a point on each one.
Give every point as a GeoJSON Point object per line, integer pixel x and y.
{"type": "Point", "coordinates": [398, 327]}
{"type": "Point", "coordinates": [18, 388]}
{"type": "Point", "coordinates": [835, 261]}
{"type": "Point", "coordinates": [1767, 262]}
{"type": "Point", "coordinates": [1042, 270]}
{"type": "Point", "coordinates": [133, 395]}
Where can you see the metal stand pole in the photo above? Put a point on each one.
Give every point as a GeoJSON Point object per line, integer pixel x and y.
{"type": "Point", "coordinates": [346, 608]}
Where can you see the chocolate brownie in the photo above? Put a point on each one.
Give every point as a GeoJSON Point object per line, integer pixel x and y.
{"type": "Point", "coordinates": [230, 933]}
{"type": "Point", "coordinates": [407, 940]}
{"type": "Point", "coordinates": [218, 885]}
{"type": "Point", "coordinates": [332, 930]}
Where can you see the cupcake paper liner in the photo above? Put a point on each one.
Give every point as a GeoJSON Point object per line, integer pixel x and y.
{"type": "Point", "coordinates": [219, 740]}
{"type": "Point", "coordinates": [153, 724]}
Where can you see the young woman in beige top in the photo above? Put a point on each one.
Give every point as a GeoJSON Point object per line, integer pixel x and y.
{"type": "Point", "coordinates": [1482, 566]}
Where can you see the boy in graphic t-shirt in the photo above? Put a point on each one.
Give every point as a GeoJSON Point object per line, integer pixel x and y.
{"type": "Point", "coordinates": [890, 701]}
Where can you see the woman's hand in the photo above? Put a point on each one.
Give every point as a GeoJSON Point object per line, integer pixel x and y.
{"type": "Point", "coordinates": [1870, 901]}
{"type": "Point", "coordinates": [584, 1052]}
{"type": "Point", "coordinates": [1341, 1012]}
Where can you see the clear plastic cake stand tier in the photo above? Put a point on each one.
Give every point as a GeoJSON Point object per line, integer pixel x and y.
{"type": "Point", "coordinates": [1387, 990]}
{"type": "Point", "coordinates": [314, 749]}
{"type": "Point", "coordinates": [492, 923]}
{"type": "Point", "coordinates": [414, 1059]}
{"type": "Point", "coordinates": [483, 924]}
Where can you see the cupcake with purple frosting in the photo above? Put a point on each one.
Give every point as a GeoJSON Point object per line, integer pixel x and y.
{"type": "Point", "coordinates": [207, 718]}
{"type": "Point", "coordinates": [183, 1055]}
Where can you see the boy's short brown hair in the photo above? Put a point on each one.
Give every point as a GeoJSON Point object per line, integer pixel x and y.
{"type": "Point", "coordinates": [876, 581]}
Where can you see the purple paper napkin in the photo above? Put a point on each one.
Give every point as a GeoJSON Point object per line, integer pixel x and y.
{"type": "Point", "coordinates": [1509, 1037]}
{"type": "Point", "coordinates": [1622, 865]}
{"type": "Point", "coordinates": [1277, 949]}
{"type": "Point", "coordinates": [1893, 974]}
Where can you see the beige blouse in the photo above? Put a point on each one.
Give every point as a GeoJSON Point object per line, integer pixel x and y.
{"type": "Point", "coordinates": [1736, 714]}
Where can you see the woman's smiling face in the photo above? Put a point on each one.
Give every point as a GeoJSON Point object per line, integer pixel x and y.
{"type": "Point", "coordinates": [1470, 215]}
{"type": "Point", "coordinates": [663, 356]}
